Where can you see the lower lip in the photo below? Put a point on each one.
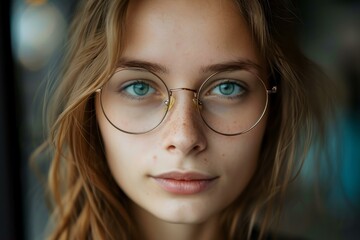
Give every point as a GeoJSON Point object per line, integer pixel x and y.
{"type": "Point", "coordinates": [185, 187]}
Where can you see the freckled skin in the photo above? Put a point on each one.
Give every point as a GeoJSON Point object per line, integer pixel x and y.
{"type": "Point", "coordinates": [181, 36]}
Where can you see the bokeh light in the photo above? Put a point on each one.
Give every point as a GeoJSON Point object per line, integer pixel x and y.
{"type": "Point", "coordinates": [38, 30]}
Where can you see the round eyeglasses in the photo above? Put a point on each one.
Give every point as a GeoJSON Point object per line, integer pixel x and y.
{"type": "Point", "coordinates": [136, 101]}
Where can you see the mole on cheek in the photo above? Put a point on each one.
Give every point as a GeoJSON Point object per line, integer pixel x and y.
{"type": "Point", "coordinates": [154, 158]}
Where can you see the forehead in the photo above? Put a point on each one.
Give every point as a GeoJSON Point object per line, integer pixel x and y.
{"type": "Point", "coordinates": [188, 35]}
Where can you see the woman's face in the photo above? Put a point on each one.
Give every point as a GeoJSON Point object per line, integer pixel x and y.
{"type": "Point", "coordinates": [183, 172]}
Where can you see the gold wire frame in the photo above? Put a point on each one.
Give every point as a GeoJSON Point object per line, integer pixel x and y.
{"type": "Point", "coordinates": [169, 102]}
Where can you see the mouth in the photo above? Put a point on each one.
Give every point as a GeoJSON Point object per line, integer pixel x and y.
{"type": "Point", "coordinates": [184, 183]}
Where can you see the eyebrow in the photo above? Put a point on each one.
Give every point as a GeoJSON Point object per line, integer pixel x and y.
{"type": "Point", "coordinates": [153, 67]}
{"type": "Point", "coordinates": [238, 64]}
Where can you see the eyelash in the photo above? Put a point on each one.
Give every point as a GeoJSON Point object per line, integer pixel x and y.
{"type": "Point", "coordinates": [129, 84]}
{"type": "Point", "coordinates": [242, 86]}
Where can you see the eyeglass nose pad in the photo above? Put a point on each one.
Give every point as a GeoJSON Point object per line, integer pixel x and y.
{"type": "Point", "coordinates": [170, 103]}
{"type": "Point", "coordinates": [197, 102]}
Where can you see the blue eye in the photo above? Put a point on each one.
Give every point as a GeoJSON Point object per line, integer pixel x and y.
{"type": "Point", "coordinates": [230, 89]}
{"type": "Point", "coordinates": [139, 89]}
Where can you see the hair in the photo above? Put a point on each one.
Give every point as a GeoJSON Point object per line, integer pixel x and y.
{"type": "Point", "coordinates": [86, 201]}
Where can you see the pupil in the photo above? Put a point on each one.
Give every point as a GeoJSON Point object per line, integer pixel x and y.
{"type": "Point", "coordinates": [226, 88]}
{"type": "Point", "coordinates": [141, 88]}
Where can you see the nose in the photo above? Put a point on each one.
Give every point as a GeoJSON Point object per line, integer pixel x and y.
{"type": "Point", "coordinates": [183, 130]}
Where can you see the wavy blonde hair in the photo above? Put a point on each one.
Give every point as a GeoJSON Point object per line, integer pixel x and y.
{"type": "Point", "coordinates": [88, 204]}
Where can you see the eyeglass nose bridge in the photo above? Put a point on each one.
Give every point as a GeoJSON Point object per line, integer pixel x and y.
{"type": "Point", "coordinates": [171, 100]}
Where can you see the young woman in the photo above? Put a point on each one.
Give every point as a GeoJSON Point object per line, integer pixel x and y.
{"type": "Point", "coordinates": [179, 119]}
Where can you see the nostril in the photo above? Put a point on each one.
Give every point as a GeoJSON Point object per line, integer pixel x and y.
{"type": "Point", "coordinates": [197, 148]}
{"type": "Point", "coordinates": [171, 148]}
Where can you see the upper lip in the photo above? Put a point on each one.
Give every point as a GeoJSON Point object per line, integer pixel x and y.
{"type": "Point", "coordinates": [185, 176]}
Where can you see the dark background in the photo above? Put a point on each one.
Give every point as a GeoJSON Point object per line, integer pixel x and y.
{"type": "Point", "coordinates": [31, 36]}
{"type": "Point", "coordinates": [11, 188]}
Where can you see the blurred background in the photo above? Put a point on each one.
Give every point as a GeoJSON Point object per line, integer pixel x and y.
{"type": "Point", "coordinates": [32, 33]}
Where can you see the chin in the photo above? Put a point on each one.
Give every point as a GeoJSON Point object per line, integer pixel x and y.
{"type": "Point", "coordinates": [185, 213]}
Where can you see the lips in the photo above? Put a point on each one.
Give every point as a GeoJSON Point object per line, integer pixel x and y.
{"type": "Point", "coordinates": [184, 183]}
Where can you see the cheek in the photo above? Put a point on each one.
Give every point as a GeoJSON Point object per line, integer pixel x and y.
{"type": "Point", "coordinates": [127, 162]}
{"type": "Point", "coordinates": [238, 158]}
{"type": "Point", "coordinates": [239, 164]}
{"type": "Point", "coordinates": [121, 152]}
{"type": "Point", "coordinates": [117, 142]}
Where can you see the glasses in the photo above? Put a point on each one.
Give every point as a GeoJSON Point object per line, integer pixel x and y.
{"type": "Point", "coordinates": [136, 101]}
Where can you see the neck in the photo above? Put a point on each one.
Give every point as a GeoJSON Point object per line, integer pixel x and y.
{"type": "Point", "coordinates": [153, 228]}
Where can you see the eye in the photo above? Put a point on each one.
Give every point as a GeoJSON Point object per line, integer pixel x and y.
{"type": "Point", "coordinates": [138, 89]}
{"type": "Point", "coordinates": [228, 88]}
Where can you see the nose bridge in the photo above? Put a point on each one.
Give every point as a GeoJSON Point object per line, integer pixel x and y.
{"type": "Point", "coordinates": [173, 90]}
{"type": "Point", "coordinates": [184, 111]}
{"type": "Point", "coordinates": [184, 131]}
